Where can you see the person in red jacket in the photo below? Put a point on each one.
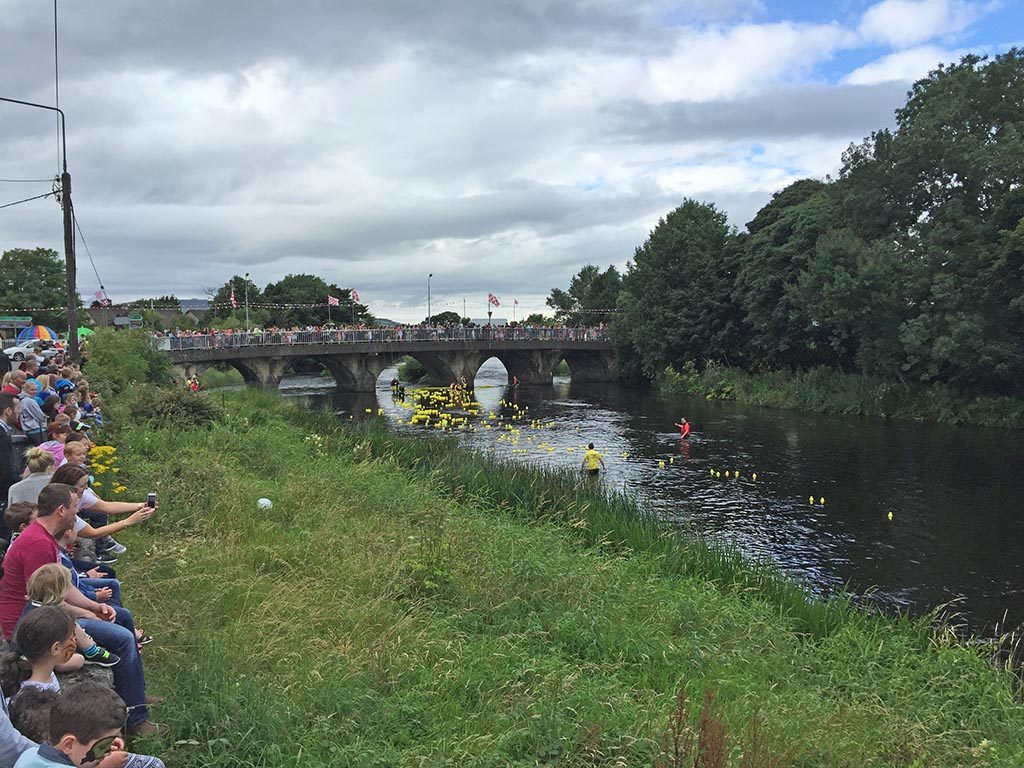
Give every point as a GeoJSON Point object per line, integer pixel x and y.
{"type": "Point", "coordinates": [684, 428]}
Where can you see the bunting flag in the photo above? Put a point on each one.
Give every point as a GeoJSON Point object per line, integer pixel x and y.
{"type": "Point", "coordinates": [234, 302]}
{"type": "Point", "coordinates": [331, 301]}
{"type": "Point", "coordinates": [492, 299]}
{"type": "Point", "coordinates": [355, 295]}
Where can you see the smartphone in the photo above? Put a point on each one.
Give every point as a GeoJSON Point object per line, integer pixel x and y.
{"type": "Point", "coordinates": [151, 500]}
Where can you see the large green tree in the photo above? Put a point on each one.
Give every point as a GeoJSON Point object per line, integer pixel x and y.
{"type": "Point", "coordinates": [447, 318]}
{"type": "Point", "coordinates": [945, 188]}
{"type": "Point", "coordinates": [35, 278]}
{"type": "Point", "coordinates": [223, 314]}
{"type": "Point", "coordinates": [590, 296]}
{"type": "Point", "coordinates": [781, 244]}
{"type": "Point", "coordinates": [676, 299]}
{"type": "Point", "coordinates": [312, 290]}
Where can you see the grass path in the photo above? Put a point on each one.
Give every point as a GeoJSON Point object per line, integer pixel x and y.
{"type": "Point", "coordinates": [377, 618]}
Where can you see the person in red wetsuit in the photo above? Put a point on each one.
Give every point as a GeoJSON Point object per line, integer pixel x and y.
{"type": "Point", "coordinates": [684, 428]}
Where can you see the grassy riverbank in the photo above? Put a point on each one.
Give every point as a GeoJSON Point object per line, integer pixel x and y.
{"type": "Point", "coordinates": [823, 390]}
{"type": "Point", "coordinates": [406, 603]}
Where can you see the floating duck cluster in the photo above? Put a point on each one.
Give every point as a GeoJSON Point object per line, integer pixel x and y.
{"type": "Point", "coordinates": [454, 410]}
{"type": "Point", "coordinates": [730, 473]}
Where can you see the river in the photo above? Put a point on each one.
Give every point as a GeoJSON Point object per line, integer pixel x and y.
{"type": "Point", "coordinates": [956, 535]}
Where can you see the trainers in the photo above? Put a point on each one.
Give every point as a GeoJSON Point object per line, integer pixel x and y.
{"type": "Point", "coordinates": [115, 547]}
{"type": "Point", "coordinates": [147, 728]}
{"type": "Point", "coordinates": [146, 639]}
{"type": "Point", "coordinates": [103, 659]}
{"type": "Point", "coordinates": [105, 560]}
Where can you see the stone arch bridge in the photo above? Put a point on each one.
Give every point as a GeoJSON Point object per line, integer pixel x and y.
{"type": "Point", "coordinates": [356, 358]}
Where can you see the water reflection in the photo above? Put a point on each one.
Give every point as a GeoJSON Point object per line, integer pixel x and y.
{"type": "Point", "coordinates": [956, 532]}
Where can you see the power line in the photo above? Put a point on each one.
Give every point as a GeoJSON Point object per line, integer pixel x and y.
{"type": "Point", "coordinates": [56, 80]}
{"type": "Point", "coordinates": [26, 181]}
{"type": "Point", "coordinates": [78, 227]}
{"type": "Point", "coordinates": [28, 199]}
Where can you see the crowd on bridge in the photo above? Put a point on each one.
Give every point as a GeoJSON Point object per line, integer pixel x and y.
{"type": "Point", "coordinates": [210, 338]}
{"type": "Point", "coordinates": [72, 685]}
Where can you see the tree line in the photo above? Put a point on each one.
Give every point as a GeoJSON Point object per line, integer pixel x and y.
{"type": "Point", "coordinates": [908, 266]}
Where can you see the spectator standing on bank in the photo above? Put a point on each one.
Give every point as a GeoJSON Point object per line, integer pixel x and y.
{"type": "Point", "coordinates": [10, 412]}
{"type": "Point", "coordinates": [33, 420]}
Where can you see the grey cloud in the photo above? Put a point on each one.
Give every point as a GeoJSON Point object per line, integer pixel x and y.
{"type": "Point", "coordinates": [197, 35]}
{"type": "Point", "coordinates": [811, 110]}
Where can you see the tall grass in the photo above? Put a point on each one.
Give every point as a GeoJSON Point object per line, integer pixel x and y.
{"type": "Point", "coordinates": [824, 390]}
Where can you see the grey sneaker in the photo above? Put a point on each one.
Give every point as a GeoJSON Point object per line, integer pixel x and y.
{"type": "Point", "coordinates": [116, 547]}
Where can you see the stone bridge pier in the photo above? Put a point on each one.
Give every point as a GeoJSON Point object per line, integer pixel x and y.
{"type": "Point", "coordinates": [531, 366]}
{"type": "Point", "coordinates": [356, 373]}
{"type": "Point", "coordinates": [452, 366]}
{"type": "Point", "coordinates": [592, 367]}
{"type": "Point", "coordinates": [265, 372]}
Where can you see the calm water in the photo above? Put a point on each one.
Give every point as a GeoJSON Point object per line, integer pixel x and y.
{"type": "Point", "coordinates": [957, 532]}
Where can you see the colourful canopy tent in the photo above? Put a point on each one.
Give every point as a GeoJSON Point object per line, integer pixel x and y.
{"type": "Point", "coordinates": [83, 331]}
{"type": "Point", "coordinates": [37, 332]}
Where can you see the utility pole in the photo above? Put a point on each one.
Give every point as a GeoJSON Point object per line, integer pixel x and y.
{"type": "Point", "coordinates": [246, 302]}
{"type": "Point", "coordinates": [428, 297]}
{"type": "Point", "coordinates": [69, 259]}
{"type": "Point", "coordinates": [69, 230]}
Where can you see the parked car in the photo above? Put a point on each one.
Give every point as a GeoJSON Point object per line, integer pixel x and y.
{"type": "Point", "coordinates": [22, 351]}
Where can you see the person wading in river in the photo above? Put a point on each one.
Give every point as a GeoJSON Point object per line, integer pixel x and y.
{"type": "Point", "coordinates": [592, 461]}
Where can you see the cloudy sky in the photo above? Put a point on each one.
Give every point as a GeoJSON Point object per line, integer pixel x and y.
{"type": "Point", "coordinates": [499, 145]}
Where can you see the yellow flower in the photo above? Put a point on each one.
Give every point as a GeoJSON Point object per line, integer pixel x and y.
{"type": "Point", "coordinates": [97, 484]}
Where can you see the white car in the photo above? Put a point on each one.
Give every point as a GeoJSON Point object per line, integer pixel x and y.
{"type": "Point", "coordinates": [22, 351]}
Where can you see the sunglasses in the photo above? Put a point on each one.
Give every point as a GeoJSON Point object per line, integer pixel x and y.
{"type": "Point", "coordinates": [99, 749]}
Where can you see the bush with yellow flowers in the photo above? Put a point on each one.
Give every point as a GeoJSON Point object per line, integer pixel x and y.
{"type": "Point", "coordinates": [103, 460]}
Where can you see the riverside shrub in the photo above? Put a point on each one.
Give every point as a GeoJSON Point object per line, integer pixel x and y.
{"type": "Point", "coordinates": [824, 390]}
{"type": "Point", "coordinates": [173, 407]}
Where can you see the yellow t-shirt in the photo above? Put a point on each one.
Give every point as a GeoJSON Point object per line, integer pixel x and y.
{"type": "Point", "coordinates": [593, 459]}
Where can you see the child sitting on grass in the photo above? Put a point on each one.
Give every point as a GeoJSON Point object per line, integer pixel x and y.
{"type": "Point", "coordinates": [30, 714]}
{"type": "Point", "coordinates": [17, 516]}
{"type": "Point", "coordinates": [48, 586]}
{"type": "Point", "coordinates": [43, 639]}
{"type": "Point", "coordinates": [84, 727]}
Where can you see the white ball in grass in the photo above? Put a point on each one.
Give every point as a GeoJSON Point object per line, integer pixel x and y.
{"type": "Point", "coordinates": [264, 503]}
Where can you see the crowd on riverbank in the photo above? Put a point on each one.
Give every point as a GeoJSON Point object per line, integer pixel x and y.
{"type": "Point", "coordinates": [62, 609]}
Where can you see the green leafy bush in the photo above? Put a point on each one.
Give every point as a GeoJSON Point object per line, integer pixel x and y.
{"type": "Point", "coordinates": [173, 407]}
{"type": "Point", "coordinates": [120, 360]}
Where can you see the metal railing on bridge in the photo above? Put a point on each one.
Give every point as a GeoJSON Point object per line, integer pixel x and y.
{"type": "Point", "coordinates": [235, 339]}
